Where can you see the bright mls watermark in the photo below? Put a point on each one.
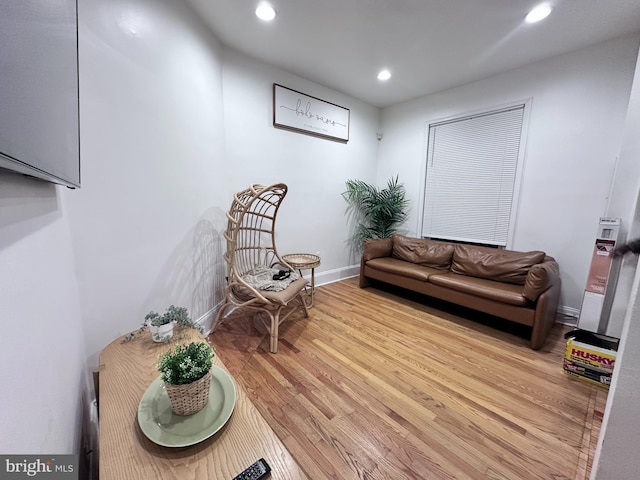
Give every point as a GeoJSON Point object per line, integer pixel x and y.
{"type": "Point", "coordinates": [49, 467]}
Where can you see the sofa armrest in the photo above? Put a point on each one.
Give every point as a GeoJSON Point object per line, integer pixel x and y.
{"type": "Point", "coordinates": [376, 248]}
{"type": "Point", "coordinates": [540, 278]}
{"type": "Point", "coordinates": [545, 316]}
{"type": "Point", "coordinates": [373, 248]}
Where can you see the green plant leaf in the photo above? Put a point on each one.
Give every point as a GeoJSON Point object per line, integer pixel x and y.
{"type": "Point", "coordinates": [377, 212]}
{"type": "Point", "coordinates": [185, 363]}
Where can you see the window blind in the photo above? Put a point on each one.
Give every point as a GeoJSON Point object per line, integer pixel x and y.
{"type": "Point", "coordinates": [470, 178]}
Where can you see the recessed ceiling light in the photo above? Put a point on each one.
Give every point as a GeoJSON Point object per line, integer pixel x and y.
{"type": "Point", "coordinates": [265, 12]}
{"type": "Point", "coordinates": [538, 13]}
{"type": "Point", "coordinates": [384, 75]}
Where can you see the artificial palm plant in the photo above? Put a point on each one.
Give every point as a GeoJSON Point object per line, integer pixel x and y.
{"type": "Point", "coordinates": [378, 212]}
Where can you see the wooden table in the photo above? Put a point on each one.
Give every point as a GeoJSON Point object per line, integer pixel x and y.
{"type": "Point", "coordinates": [126, 371]}
{"type": "Point", "coordinates": [304, 261]}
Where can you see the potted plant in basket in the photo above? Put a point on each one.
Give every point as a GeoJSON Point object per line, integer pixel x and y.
{"type": "Point", "coordinates": [186, 373]}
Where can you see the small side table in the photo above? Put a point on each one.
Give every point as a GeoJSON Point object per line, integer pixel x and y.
{"type": "Point", "coordinates": [304, 261]}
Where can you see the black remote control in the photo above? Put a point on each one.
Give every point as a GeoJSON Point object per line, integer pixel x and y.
{"type": "Point", "coordinates": [257, 471]}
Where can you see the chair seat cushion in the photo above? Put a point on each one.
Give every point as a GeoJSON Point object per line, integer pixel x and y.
{"type": "Point", "coordinates": [282, 297]}
{"type": "Point", "coordinates": [285, 296]}
{"type": "Point", "coordinates": [262, 277]}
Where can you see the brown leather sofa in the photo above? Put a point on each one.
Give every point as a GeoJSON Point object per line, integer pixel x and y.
{"type": "Point", "coordinates": [522, 287]}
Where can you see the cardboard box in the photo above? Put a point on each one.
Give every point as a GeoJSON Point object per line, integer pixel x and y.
{"type": "Point", "coordinates": [591, 357]}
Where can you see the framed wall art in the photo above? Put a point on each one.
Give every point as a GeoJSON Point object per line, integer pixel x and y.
{"type": "Point", "coordinates": [298, 112]}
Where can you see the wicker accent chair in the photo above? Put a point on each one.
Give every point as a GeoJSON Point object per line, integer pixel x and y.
{"type": "Point", "coordinates": [251, 245]}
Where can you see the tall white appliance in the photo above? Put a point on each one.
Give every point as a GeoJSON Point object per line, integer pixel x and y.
{"type": "Point", "coordinates": [603, 276]}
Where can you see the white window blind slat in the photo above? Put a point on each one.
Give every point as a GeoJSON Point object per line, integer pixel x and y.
{"type": "Point", "coordinates": [470, 181]}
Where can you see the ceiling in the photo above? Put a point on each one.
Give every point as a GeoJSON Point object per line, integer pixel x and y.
{"type": "Point", "coordinates": [428, 45]}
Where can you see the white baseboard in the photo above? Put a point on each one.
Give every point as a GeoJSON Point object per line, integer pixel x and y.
{"type": "Point", "coordinates": [331, 276]}
{"type": "Point", "coordinates": [567, 315]}
{"type": "Point", "coordinates": [206, 320]}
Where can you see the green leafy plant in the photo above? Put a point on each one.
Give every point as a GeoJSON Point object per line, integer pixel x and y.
{"type": "Point", "coordinates": [179, 315]}
{"type": "Point", "coordinates": [378, 212]}
{"type": "Point", "coordinates": [185, 363]}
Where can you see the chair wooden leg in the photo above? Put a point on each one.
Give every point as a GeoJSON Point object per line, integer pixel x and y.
{"type": "Point", "coordinates": [304, 306]}
{"type": "Point", "coordinates": [275, 323]}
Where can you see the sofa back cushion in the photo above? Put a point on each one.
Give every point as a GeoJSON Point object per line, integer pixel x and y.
{"type": "Point", "coordinates": [429, 253]}
{"type": "Point", "coordinates": [376, 248]}
{"type": "Point", "coordinates": [491, 263]}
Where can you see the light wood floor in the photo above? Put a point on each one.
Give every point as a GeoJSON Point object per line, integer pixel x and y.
{"type": "Point", "coordinates": [381, 385]}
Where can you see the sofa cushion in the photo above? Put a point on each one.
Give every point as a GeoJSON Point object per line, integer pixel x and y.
{"type": "Point", "coordinates": [541, 277]}
{"type": "Point", "coordinates": [376, 247]}
{"type": "Point", "coordinates": [494, 264]}
{"type": "Point", "coordinates": [400, 267]}
{"type": "Point", "coordinates": [429, 253]}
{"type": "Point", "coordinates": [481, 287]}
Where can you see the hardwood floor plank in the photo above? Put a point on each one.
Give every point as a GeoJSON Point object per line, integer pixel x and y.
{"type": "Point", "coordinates": [468, 404]}
{"type": "Point", "coordinates": [390, 385]}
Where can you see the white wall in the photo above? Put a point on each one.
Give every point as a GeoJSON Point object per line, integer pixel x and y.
{"type": "Point", "coordinates": [617, 449]}
{"type": "Point", "coordinates": [42, 340]}
{"type": "Point", "coordinates": [616, 455]}
{"type": "Point", "coordinates": [624, 203]}
{"type": "Point", "coordinates": [146, 222]}
{"type": "Point", "coordinates": [145, 229]}
{"type": "Point", "coordinates": [78, 268]}
{"type": "Point", "coordinates": [312, 217]}
{"type": "Point", "coordinates": [579, 103]}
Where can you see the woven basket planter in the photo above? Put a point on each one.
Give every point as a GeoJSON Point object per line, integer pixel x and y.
{"type": "Point", "coordinates": [191, 397]}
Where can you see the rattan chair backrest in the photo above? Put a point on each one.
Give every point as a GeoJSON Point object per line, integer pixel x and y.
{"type": "Point", "coordinates": [251, 229]}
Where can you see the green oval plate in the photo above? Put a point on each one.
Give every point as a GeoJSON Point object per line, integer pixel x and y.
{"type": "Point", "coordinates": [165, 428]}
